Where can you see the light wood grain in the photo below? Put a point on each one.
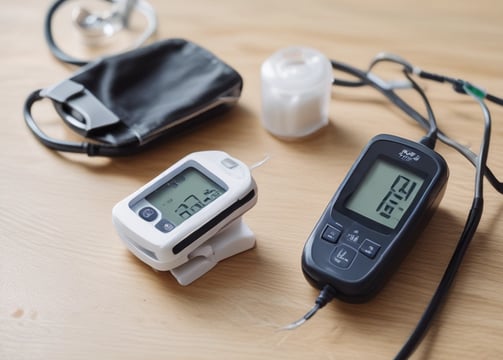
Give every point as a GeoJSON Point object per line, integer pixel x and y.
{"type": "Point", "coordinates": [70, 290]}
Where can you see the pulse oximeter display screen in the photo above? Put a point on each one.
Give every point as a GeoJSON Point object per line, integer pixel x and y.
{"type": "Point", "coordinates": [184, 195]}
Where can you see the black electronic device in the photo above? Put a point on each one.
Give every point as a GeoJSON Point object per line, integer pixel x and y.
{"type": "Point", "coordinates": [374, 217]}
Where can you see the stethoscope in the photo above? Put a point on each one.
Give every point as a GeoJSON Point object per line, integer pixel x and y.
{"type": "Point", "coordinates": [95, 28]}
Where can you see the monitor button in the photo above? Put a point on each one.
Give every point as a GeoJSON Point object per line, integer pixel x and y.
{"type": "Point", "coordinates": [165, 226]}
{"type": "Point", "coordinates": [148, 213]}
{"type": "Point", "coordinates": [343, 256]}
{"type": "Point", "coordinates": [331, 234]}
{"type": "Point", "coordinates": [229, 163]}
{"type": "Point", "coordinates": [369, 248]}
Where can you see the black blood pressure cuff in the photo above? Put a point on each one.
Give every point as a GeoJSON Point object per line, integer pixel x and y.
{"type": "Point", "coordinates": [123, 102]}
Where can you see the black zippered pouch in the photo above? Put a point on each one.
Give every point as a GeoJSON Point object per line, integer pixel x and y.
{"type": "Point", "coordinates": [121, 103]}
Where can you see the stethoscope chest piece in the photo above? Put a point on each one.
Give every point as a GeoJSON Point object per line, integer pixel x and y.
{"type": "Point", "coordinates": [102, 26]}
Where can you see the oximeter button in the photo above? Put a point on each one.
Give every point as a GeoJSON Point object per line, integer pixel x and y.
{"type": "Point", "coordinates": [343, 256]}
{"type": "Point", "coordinates": [331, 234]}
{"type": "Point", "coordinates": [165, 226]}
{"type": "Point", "coordinates": [148, 213]}
{"type": "Point", "coordinates": [229, 163]}
{"type": "Point", "coordinates": [369, 248]}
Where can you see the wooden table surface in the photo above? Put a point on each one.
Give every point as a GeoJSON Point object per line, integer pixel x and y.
{"type": "Point", "coordinates": [69, 289]}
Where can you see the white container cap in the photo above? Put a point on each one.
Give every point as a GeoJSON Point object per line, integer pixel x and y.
{"type": "Point", "coordinates": [296, 86]}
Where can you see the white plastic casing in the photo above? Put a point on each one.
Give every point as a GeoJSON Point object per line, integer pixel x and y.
{"type": "Point", "coordinates": [155, 247]}
{"type": "Point", "coordinates": [296, 87]}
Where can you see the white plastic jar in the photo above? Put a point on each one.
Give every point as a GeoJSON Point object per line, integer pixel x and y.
{"type": "Point", "coordinates": [296, 87]}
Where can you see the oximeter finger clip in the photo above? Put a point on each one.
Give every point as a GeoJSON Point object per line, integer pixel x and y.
{"type": "Point", "coordinates": [234, 239]}
{"type": "Point", "coordinates": [188, 218]}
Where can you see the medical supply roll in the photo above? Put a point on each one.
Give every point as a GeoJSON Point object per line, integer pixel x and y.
{"type": "Point", "coordinates": [296, 85]}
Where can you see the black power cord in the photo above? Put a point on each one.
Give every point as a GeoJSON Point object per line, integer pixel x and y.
{"type": "Point", "coordinates": [471, 225]}
{"type": "Point", "coordinates": [326, 295]}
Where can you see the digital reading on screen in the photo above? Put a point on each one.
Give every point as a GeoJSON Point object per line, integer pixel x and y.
{"type": "Point", "coordinates": [385, 194]}
{"type": "Point", "coordinates": [185, 195]}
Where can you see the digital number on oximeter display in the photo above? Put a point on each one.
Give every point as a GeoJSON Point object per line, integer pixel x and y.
{"type": "Point", "coordinates": [385, 194]}
{"type": "Point", "coordinates": [181, 197]}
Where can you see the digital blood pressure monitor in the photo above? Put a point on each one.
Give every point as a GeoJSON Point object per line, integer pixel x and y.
{"type": "Point", "coordinates": [374, 217]}
{"type": "Point", "coordinates": [166, 221]}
